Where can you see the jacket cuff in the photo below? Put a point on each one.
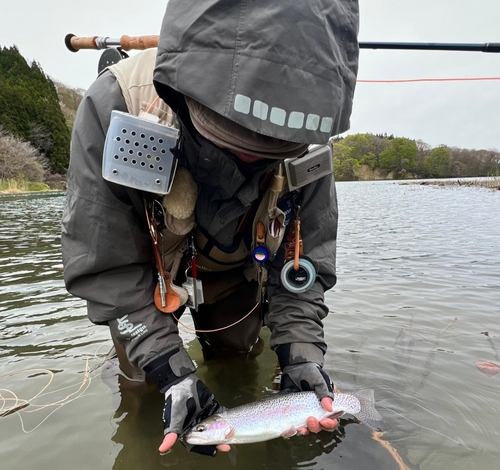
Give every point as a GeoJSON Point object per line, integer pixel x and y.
{"type": "Point", "coordinates": [170, 368]}
{"type": "Point", "coordinates": [297, 353]}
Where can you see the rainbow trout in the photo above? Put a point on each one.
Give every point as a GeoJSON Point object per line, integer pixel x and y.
{"type": "Point", "coordinates": [279, 415]}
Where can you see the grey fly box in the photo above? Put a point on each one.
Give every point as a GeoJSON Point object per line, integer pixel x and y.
{"type": "Point", "coordinates": [137, 153]}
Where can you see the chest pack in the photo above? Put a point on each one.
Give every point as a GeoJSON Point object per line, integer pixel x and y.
{"type": "Point", "coordinates": [184, 246]}
{"type": "Point", "coordinates": [177, 241]}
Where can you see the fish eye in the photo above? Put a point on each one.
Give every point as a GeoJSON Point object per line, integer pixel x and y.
{"type": "Point", "coordinates": [199, 428]}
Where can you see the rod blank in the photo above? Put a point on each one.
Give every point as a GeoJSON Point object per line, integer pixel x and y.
{"type": "Point", "coordinates": [488, 47]}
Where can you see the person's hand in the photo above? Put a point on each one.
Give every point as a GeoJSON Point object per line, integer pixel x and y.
{"type": "Point", "coordinates": [187, 403]}
{"type": "Point", "coordinates": [308, 376]}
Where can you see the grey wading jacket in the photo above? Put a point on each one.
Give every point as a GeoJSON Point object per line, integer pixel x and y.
{"type": "Point", "coordinates": [294, 58]}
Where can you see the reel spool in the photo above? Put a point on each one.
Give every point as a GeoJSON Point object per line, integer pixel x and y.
{"type": "Point", "coordinates": [110, 57]}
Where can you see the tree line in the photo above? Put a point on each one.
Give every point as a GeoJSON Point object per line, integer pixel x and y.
{"type": "Point", "coordinates": [34, 133]}
{"type": "Point", "coordinates": [369, 156]}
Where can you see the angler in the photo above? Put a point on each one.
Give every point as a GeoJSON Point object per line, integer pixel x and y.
{"type": "Point", "coordinates": [201, 176]}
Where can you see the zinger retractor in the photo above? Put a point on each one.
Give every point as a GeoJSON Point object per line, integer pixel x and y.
{"type": "Point", "coordinates": [298, 274]}
{"type": "Point", "coordinates": [298, 280]}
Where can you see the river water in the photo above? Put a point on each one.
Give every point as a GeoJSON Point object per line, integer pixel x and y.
{"type": "Point", "coordinates": [416, 307]}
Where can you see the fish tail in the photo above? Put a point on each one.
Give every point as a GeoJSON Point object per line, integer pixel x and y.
{"type": "Point", "coordinates": [368, 414]}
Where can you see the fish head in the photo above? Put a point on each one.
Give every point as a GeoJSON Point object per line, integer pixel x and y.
{"type": "Point", "coordinates": [213, 430]}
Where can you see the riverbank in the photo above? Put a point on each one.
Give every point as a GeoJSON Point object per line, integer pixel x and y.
{"type": "Point", "coordinates": [34, 191]}
{"type": "Point", "coordinates": [8, 192]}
{"type": "Point", "coordinates": [487, 183]}
{"type": "Point", "coordinates": [19, 186]}
{"type": "Point", "coordinates": [23, 187]}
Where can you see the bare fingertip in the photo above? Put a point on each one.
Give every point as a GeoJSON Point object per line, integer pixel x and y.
{"type": "Point", "coordinates": [327, 403]}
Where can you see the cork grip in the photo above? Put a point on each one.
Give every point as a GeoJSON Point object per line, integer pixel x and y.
{"type": "Point", "coordinates": [139, 42]}
{"type": "Point", "coordinates": [74, 43]}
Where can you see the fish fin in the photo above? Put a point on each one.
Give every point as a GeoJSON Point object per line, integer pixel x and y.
{"type": "Point", "coordinates": [368, 414]}
{"type": "Point", "coordinates": [232, 454]}
{"type": "Point", "coordinates": [290, 433]}
{"type": "Point", "coordinates": [269, 397]}
{"type": "Point", "coordinates": [336, 415]}
{"type": "Point", "coordinates": [230, 434]}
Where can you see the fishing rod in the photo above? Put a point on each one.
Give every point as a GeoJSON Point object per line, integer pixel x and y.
{"type": "Point", "coordinates": [127, 43]}
{"type": "Point", "coordinates": [430, 46]}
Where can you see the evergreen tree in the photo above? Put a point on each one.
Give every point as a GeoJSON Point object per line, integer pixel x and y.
{"type": "Point", "coordinates": [30, 110]}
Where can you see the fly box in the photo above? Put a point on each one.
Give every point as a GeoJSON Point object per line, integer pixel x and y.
{"type": "Point", "coordinates": [137, 153]}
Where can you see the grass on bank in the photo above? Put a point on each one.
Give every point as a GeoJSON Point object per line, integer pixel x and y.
{"type": "Point", "coordinates": [15, 185]}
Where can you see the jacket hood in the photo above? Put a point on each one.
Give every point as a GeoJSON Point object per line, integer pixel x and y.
{"type": "Point", "coordinates": [284, 69]}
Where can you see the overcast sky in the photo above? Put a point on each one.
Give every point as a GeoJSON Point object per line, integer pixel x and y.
{"type": "Point", "coordinates": [462, 114]}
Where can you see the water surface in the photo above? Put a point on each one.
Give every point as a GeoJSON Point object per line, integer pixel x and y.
{"type": "Point", "coordinates": [415, 307]}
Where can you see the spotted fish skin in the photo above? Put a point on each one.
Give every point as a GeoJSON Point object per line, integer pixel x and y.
{"type": "Point", "coordinates": [272, 417]}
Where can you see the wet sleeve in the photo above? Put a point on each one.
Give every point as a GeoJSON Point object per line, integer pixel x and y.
{"type": "Point", "coordinates": [296, 320]}
{"type": "Point", "coordinates": [106, 246]}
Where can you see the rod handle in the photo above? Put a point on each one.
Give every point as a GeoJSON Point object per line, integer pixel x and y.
{"type": "Point", "coordinates": [138, 42]}
{"type": "Point", "coordinates": [74, 43]}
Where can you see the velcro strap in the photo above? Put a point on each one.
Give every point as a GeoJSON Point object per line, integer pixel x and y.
{"type": "Point", "coordinates": [298, 353]}
{"type": "Point", "coordinates": [170, 368]}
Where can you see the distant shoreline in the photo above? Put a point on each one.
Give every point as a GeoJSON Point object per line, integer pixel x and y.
{"type": "Point", "coordinates": [493, 183]}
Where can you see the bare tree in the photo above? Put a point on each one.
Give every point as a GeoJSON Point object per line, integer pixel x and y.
{"type": "Point", "coordinates": [19, 159]}
{"type": "Point", "coordinates": [40, 137]}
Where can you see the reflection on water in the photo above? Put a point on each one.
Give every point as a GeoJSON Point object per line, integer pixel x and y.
{"type": "Point", "coordinates": [415, 307]}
